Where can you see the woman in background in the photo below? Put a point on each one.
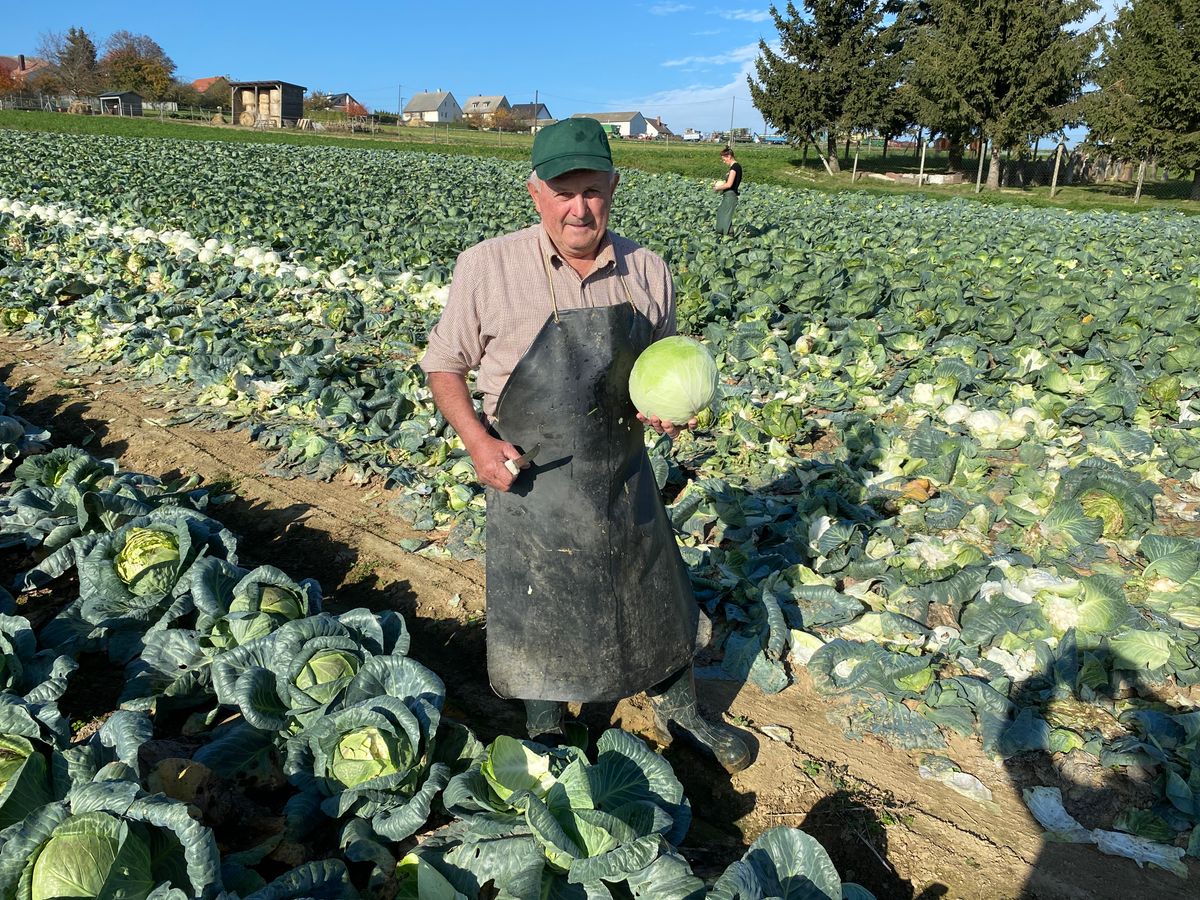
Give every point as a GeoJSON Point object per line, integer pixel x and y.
{"type": "Point", "coordinates": [729, 188]}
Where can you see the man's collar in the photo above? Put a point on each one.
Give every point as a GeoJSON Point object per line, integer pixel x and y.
{"type": "Point", "coordinates": [606, 257]}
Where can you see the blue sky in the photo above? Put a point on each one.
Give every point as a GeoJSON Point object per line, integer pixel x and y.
{"type": "Point", "coordinates": [684, 61]}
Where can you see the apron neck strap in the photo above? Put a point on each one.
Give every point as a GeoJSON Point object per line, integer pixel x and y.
{"type": "Point", "coordinates": [550, 284]}
{"type": "Point", "coordinates": [550, 281]}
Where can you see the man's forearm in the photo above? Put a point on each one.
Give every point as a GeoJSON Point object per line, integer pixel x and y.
{"type": "Point", "coordinates": [454, 402]}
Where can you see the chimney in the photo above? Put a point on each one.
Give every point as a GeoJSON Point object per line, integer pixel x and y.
{"type": "Point", "coordinates": [20, 62]}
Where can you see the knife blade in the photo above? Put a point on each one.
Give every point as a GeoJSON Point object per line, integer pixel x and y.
{"type": "Point", "coordinates": [514, 465]}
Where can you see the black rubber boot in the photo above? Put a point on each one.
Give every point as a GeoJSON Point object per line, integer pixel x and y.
{"type": "Point", "coordinates": [674, 702]}
{"type": "Point", "coordinates": [544, 721]}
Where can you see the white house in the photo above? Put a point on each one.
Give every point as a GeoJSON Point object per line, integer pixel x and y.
{"type": "Point", "coordinates": [656, 127]}
{"type": "Point", "coordinates": [483, 107]}
{"type": "Point", "coordinates": [433, 107]}
{"type": "Point", "coordinates": [628, 124]}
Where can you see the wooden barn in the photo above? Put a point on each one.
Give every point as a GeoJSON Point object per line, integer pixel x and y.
{"type": "Point", "coordinates": [121, 103]}
{"type": "Point", "coordinates": [276, 103]}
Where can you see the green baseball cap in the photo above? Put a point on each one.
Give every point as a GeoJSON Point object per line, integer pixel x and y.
{"type": "Point", "coordinates": [569, 145]}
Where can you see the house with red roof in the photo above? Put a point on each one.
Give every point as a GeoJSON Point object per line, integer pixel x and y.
{"type": "Point", "coordinates": [200, 85]}
{"type": "Point", "coordinates": [21, 67]}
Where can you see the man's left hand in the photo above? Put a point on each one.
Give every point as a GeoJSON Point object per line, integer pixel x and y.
{"type": "Point", "coordinates": [670, 429]}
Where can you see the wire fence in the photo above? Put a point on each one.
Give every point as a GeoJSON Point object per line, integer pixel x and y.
{"type": "Point", "coordinates": [61, 103]}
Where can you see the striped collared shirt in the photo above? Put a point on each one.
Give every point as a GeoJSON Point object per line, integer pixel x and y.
{"type": "Point", "coordinates": [500, 299]}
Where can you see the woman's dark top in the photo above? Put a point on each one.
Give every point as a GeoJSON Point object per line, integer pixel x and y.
{"type": "Point", "coordinates": [737, 176]}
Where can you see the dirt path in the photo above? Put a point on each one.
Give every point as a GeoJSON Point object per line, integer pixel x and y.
{"type": "Point", "coordinates": [886, 828]}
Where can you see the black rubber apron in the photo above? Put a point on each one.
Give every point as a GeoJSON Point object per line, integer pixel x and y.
{"type": "Point", "coordinates": [587, 595]}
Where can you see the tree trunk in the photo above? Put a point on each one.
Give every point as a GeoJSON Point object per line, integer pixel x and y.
{"type": "Point", "coordinates": [993, 179]}
{"type": "Point", "coordinates": [1195, 186]}
{"type": "Point", "coordinates": [955, 163]}
{"type": "Point", "coordinates": [885, 143]}
{"type": "Point", "coordinates": [825, 161]}
{"type": "Point", "coordinates": [846, 155]}
{"type": "Point", "coordinates": [831, 153]}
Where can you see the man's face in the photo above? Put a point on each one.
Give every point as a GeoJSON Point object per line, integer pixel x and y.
{"type": "Point", "coordinates": [574, 210]}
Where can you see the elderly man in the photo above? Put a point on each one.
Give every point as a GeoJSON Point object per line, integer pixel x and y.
{"type": "Point", "coordinates": [587, 595]}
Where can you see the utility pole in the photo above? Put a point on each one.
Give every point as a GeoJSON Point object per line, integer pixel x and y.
{"type": "Point", "coordinates": [732, 101]}
{"type": "Point", "coordinates": [399, 106]}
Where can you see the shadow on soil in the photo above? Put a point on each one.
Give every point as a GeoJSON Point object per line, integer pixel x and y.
{"type": "Point", "coordinates": [1094, 794]}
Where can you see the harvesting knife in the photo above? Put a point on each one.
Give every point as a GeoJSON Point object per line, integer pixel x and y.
{"type": "Point", "coordinates": [514, 465]}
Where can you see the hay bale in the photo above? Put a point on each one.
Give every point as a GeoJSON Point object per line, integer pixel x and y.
{"type": "Point", "coordinates": [218, 119]}
{"type": "Point", "coordinates": [79, 108]}
{"type": "Point", "coordinates": [246, 118]}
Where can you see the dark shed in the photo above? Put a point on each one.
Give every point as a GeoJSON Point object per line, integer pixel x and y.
{"type": "Point", "coordinates": [121, 103]}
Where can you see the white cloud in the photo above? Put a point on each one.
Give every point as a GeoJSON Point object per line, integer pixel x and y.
{"type": "Point", "coordinates": [708, 33]}
{"type": "Point", "coordinates": [666, 9]}
{"type": "Point", "coordinates": [744, 15]}
{"type": "Point", "coordinates": [705, 107]}
{"type": "Point", "coordinates": [737, 55]}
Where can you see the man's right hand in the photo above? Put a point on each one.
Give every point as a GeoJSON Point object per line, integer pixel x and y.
{"type": "Point", "coordinates": [488, 456]}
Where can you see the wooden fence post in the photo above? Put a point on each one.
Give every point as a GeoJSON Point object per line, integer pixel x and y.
{"type": "Point", "coordinates": [854, 174]}
{"type": "Point", "coordinates": [979, 171]}
{"type": "Point", "coordinates": [1137, 194]}
{"type": "Point", "coordinates": [1054, 178]}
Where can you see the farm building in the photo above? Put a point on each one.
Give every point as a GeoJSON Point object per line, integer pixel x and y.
{"type": "Point", "coordinates": [432, 107]}
{"type": "Point", "coordinates": [22, 68]}
{"type": "Point", "coordinates": [656, 127]}
{"type": "Point", "coordinates": [535, 115]}
{"type": "Point", "coordinates": [483, 107]}
{"type": "Point", "coordinates": [121, 103]}
{"type": "Point", "coordinates": [346, 103]}
{"type": "Point", "coordinates": [201, 85]}
{"type": "Point", "coordinates": [275, 103]}
{"type": "Point", "coordinates": [626, 124]}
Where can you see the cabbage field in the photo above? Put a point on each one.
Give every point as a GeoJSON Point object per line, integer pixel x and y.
{"type": "Point", "coordinates": [950, 485]}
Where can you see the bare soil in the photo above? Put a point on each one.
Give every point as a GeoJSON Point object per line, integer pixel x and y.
{"type": "Point", "coordinates": [886, 828]}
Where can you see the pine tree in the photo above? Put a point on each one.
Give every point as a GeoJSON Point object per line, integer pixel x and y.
{"type": "Point", "coordinates": [72, 58]}
{"type": "Point", "coordinates": [827, 76]}
{"type": "Point", "coordinates": [1149, 98]}
{"type": "Point", "coordinates": [1011, 67]}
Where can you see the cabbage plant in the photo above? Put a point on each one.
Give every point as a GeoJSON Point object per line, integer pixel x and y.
{"type": "Point", "coordinates": [233, 607]}
{"type": "Point", "coordinates": [108, 839]}
{"type": "Point", "coordinates": [37, 676]}
{"type": "Point", "coordinates": [18, 438]}
{"type": "Point", "coordinates": [289, 678]}
{"type": "Point", "coordinates": [71, 498]}
{"type": "Point", "coordinates": [378, 755]}
{"type": "Point", "coordinates": [781, 863]}
{"type": "Point", "coordinates": [28, 745]}
{"type": "Point", "coordinates": [549, 822]}
{"type": "Point", "coordinates": [136, 579]}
